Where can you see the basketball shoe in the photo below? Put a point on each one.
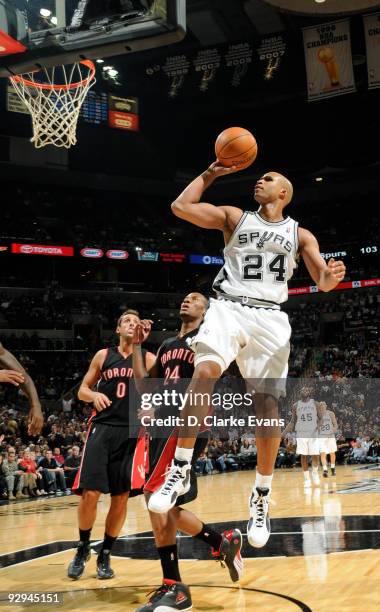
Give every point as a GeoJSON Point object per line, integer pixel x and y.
{"type": "Point", "coordinates": [103, 565]}
{"type": "Point", "coordinates": [169, 597]}
{"type": "Point", "coordinates": [315, 478]}
{"type": "Point", "coordinates": [229, 553]}
{"type": "Point", "coordinates": [76, 567]}
{"type": "Point", "coordinates": [177, 483]}
{"type": "Point", "coordinates": [258, 528]}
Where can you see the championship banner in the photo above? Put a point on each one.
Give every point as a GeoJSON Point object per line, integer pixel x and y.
{"type": "Point", "coordinates": [372, 39]}
{"type": "Point", "coordinates": [328, 60]}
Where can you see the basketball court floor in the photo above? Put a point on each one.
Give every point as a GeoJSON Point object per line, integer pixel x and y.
{"type": "Point", "coordinates": [323, 554]}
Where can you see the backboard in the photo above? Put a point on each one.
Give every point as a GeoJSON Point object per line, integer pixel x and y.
{"type": "Point", "coordinates": [36, 33]}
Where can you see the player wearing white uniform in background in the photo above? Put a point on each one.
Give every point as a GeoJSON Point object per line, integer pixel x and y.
{"type": "Point", "coordinates": [327, 442]}
{"type": "Point", "coordinates": [305, 422]}
{"type": "Point", "coordinates": [245, 323]}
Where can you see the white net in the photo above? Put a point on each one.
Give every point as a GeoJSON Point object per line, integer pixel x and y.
{"type": "Point", "coordinates": [55, 107]}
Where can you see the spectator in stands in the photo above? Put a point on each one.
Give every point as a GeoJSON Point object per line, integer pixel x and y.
{"type": "Point", "coordinates": [358, 454]}
{"type": "Point", "coordinates": [247, 453]}
{"type": "Point", "coordinates": [203, 464]}
{"type": "Point", "coordinates": [71, 466]}
{"type": "Point", "coordinates": [32, 478]}
{"type": "Point", "coordinates": [13, 475]}
{"type": "Point", "coordinates": [49, 464]}
{"type": "Point", "coordinates": [55, 437]}
{"type": "Point", "coordinates": [3, 482]}
{"type": "Point", "coordinates": [58, 457]}
{"type": "Point", "coordinates": [217, 455]}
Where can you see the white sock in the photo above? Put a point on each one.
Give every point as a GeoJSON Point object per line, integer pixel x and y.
{"type": "Point", "coordinates": [315, 470]}
{"type": "Point", "coordinates": [306, 475]}
{"type": "Point", "coordinates": [264, 482]}
{"type": "Point", "coordinates": [184, 454]}
{"type": "Point", "coordinates": [332, 465]}
{"type": "Point", "coordinates": [324, 468]}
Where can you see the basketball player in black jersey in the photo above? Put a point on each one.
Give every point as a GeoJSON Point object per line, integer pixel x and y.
{"type": "Point", "coordinates": [113, 456]}
{"type": "Point", "coordinates": [173, 365]}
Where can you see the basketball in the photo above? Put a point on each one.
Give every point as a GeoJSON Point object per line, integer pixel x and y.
{"type": "Point", "coordinates": [236, 146]}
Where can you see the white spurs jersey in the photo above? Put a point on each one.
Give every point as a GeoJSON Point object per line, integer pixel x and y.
{"type": "Point", "coordinates": [307, 419]}
{"type": "Point", "coordinates": [259, 259]}
{"type": "Point", "coordinates": [326, 427]}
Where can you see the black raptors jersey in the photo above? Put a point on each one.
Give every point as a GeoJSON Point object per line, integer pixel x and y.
{"type": "Point", "coordinates": [116, 375]}
{"type": "Point", "coordinates": [175, 363]}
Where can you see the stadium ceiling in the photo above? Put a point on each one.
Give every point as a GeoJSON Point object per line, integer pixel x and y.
{"type": "Point", "coordinates": [323, 7]}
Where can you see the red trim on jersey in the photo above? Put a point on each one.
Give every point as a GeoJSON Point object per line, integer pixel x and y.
{"type": "Point", "coordinates": [75, 488]}
{"type": "Point", "coordinates": [157, 477]}
{"type": "Point", "coordinates": [138, 464]}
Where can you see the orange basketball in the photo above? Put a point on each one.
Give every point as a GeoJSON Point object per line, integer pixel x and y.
{"type": "Point", "coordinates": [236, 146]}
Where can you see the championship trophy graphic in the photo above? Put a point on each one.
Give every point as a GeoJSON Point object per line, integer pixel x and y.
{"type": "Point", "coordinates": [327, 58]}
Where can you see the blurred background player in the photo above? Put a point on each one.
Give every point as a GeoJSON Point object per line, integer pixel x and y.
{"type": "Point", "coordinates": [111, 457]}
{"type": "Point", "coordinates": [327, 442]}
{"type": "Point", "coordinates": [245, 322]}
{"type": "Point", "coordinates": [305, 422]}
{"type": "Point", "coordinates": [15, 374]}
{"type": "Point", "coordinates": [174, 364]}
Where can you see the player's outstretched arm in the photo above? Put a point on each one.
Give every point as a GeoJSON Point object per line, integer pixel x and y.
{"type": "Point", "coordinates": [35, 418]}
{"type": "Point", "coordinates": [93, 374]}
{"type": "Point", "coordinates": [326, 276]}
{"type": "Point", "coordinates": [189, 208]}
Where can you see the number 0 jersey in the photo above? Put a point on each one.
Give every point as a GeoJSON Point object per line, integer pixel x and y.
{"type": "Point", "coordinates": [116, 375]}
{"type": "Point", "coordinates": [259, 260]}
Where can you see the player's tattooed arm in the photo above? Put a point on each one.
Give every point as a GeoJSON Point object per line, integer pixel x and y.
{"type": "Point", "coordinates": [93, 374]}
{"type": "Point", "coordinates": [326, 276]}
{"type": "Point", "coordinates": [19, 377]}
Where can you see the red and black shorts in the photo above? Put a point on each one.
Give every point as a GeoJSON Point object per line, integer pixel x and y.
{"type": "Point", "coordinates": [161, 454]}
{"type": "Point", "coordinates": [111, 462]}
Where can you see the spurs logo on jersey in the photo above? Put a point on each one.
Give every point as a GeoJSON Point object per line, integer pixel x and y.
{"type": "Point", "coordinates": [259, 259]}
{"type": "Point", "coordinates": [326, 427]}
{"type": "Point", "coordinates": [306, 424]}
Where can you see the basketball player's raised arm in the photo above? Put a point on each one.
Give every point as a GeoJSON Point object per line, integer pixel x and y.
{"type": "Point", "coordinates": [141, 370]}
{"type": "Point", "coordinates": [93, 374]}
{"type": "Point", "coordinates": [189, 208]}
{"type": "Point", "coordinates": [18, 376]}
{"type": "Point", "coordinates": [326, 276]}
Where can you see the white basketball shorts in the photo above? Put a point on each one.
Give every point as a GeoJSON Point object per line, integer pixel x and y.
{"type": "Point", "coordinates": [307, 446]}
{"type": "Point", "coordinates": [258, 338]}
{"type": "Point", "coordinates": [327, 445]}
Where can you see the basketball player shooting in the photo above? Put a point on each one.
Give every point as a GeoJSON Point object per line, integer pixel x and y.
{"type": "Point", "coordinates": [245, 322]}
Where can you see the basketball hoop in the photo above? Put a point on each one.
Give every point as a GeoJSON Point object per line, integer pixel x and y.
{"type": "Point", "coordinates": [55, 107]}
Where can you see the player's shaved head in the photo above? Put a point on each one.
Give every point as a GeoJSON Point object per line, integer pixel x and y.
{"type": "Point", "coordinates": [286, 186]}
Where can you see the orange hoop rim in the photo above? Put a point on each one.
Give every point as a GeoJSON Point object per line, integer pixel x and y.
{"type": "Point", "coordinates": [52, 86]}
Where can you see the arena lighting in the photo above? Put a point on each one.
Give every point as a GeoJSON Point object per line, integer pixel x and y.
{"type": "Point", "coordinates": [319, 1]}
{"type": "Point", "coordinates": [319, 179]}
{"type": "Point", "coordinates": [45, 12]}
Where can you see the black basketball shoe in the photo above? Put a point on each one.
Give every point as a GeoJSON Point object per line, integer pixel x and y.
{"type": "Point", "coordinates": [229, 553]}
{"type": "Point", "coordinates": [333, 471]}
{"type": "Point", "coordinates": [325, 473]}
{"type": "Point", "coordinates": [76, 567]}
{"type": "Point", "coordinates": [103, 567]}
{"type": "Point", "coordinates": [169, 598]}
